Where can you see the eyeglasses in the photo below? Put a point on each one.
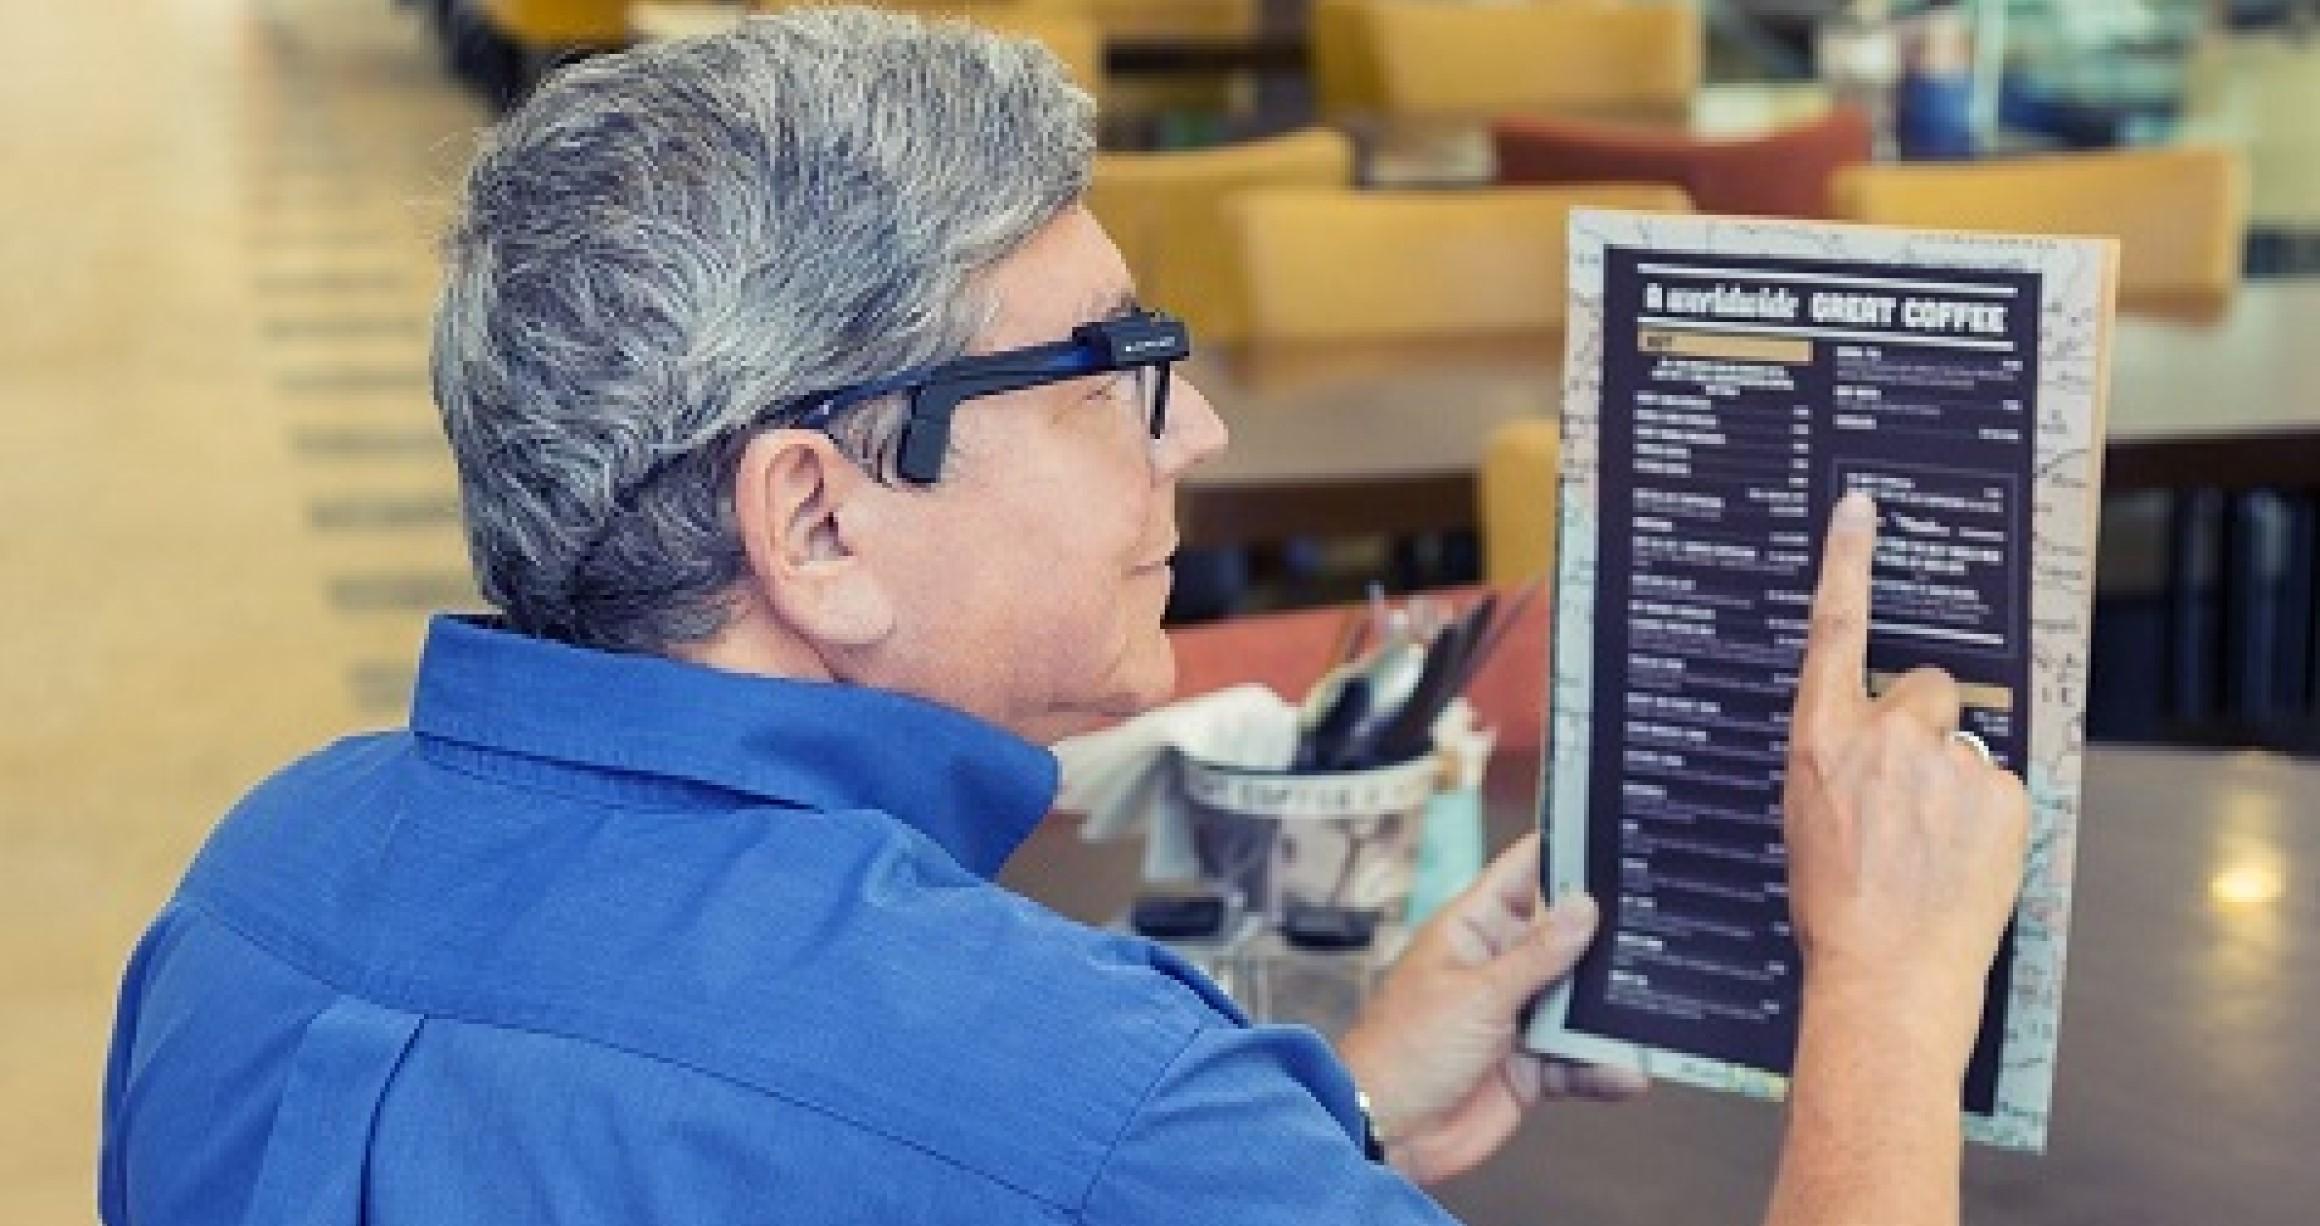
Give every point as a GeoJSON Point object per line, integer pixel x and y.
{"type": "Point", "coordinates": [1145, 343]}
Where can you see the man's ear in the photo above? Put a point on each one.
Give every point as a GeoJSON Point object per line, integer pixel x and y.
{"type": "Point", "coordinates": [801, 508]}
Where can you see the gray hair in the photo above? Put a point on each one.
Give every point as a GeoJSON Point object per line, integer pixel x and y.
{"type": "Point", "coordinates": [663, 244]}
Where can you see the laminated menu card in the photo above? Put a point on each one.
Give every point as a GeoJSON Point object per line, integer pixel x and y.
{"type": "Point", "coordinates": [1727, 380]}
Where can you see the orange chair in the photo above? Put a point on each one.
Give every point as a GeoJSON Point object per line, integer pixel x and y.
{"type": "Point", "coordinates": [1781, 174]}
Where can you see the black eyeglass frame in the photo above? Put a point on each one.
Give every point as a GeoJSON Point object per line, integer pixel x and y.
{"type": "Point", "coordinates": [1106, 346]}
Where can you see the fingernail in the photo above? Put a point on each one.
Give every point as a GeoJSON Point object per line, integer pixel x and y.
{"type": "Point", "coordinates": [1574, 912]}
{"type": "Point", "coordinates": [1855, 513]}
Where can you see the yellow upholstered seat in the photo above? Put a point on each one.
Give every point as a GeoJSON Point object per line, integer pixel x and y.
{"type": "Point", "coordinates": [1167, 213]}
{"type": "Point", "coordinates": [1472, 61]}
{"type": "Point", "coordinates": [1336, 264]}
{"type": "Point", "coordinates": [1518, 492]}
{"type": "Point", "coordinates": [1345, 74]}
{"type": "Point", "coordinates": [1152, 20]}
{"type": "Point", "coordinates": [547, 25]}
{"type": "Point", "coordinates": [2180, 214]}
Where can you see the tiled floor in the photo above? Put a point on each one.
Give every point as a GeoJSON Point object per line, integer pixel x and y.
{"type": "Point", "coordinates": [225, 503]}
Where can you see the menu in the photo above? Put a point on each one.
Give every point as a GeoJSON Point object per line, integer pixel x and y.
{"type": "Point", "coordinates": [1726, 382]}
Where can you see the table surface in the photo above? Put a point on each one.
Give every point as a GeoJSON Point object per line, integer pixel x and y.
{"type": "Point", "coordinates": [1398, 430]}
{"type": "Point", "coordinates": [2188, 1087]}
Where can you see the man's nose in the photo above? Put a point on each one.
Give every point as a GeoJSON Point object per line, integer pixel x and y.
{"type": "Point", "coordinates": [1194, 431]}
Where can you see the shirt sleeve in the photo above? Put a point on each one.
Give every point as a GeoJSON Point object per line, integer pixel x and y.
{"type": "Point", "coordinates": [1251, 1126]}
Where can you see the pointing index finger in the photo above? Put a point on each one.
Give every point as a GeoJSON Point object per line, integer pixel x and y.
{"type": "Point", "coordinates": [1834, 679]}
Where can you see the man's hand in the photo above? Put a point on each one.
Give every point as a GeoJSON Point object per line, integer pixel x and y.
{"type": "Point", "coordinates": [1436, 1047]}
{"type": "Point", "coordinates": [1905, 846]}
{"type": "Point", "coordinates": [1905, 852]}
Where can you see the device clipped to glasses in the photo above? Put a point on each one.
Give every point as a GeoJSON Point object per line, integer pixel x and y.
{"type": "Point", "coordinates": [1147, 342]}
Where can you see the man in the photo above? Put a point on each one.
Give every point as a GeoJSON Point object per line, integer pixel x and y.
{"type": "Point", "coordinates": [820, 465]}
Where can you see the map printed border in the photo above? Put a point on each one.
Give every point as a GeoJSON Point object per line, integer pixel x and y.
{"type": "Point", "coordinates": [2077, 283]}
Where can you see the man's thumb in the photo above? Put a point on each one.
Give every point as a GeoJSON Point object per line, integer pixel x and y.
{"type": "Point", "coordinates": [1548, 950]}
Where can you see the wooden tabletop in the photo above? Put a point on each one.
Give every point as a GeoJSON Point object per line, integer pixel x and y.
{"type": "Point", "coordinates": [1341, 440]}
{"type": "Point", "coordinates": [2188, 1087]}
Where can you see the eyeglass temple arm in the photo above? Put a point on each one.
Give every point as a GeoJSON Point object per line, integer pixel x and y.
{"type": "Point", "coordinates": [926, 437]}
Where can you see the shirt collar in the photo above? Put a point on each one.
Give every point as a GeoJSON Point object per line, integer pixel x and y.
{"type": "Point", "coordinates": [974, 788]}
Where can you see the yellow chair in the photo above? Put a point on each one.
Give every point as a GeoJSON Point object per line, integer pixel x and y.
{"type": "Point", "coordinates": [1167, 213]}
{"type": "Point", "coordinates": [554, 25]}
{"type": "Point", "coordinates": [2180, 214]}
{"type": "Point", "coordinates": [1518, 495]}
{"type": "Point", "coordinates": [1161, 20]}
{"type": "Point", "coordinates": [1471, 61]}
{"type": "Point", "coordinates": [1345, 74]}
{"type": "Point", "coordinates": [1336, 264]}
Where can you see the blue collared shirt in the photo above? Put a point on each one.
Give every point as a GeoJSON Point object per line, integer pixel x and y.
{"type": "Point", "coordinates": [613, 939]}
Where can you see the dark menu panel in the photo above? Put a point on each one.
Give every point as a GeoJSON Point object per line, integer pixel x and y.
{"type": "Point", "coordinates": [1741, 398]}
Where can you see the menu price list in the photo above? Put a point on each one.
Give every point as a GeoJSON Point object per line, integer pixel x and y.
{"type": "Point", "coordinates": [1741, 399]}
